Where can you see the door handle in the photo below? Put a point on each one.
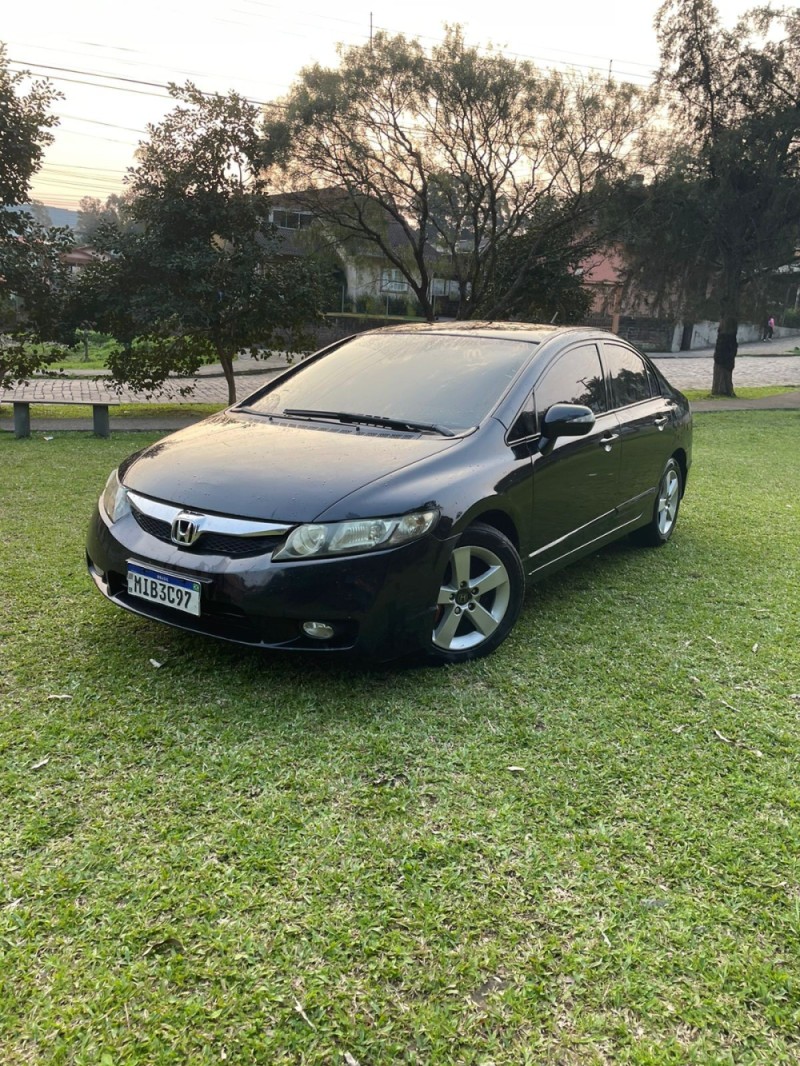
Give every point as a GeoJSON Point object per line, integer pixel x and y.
{"type": "Point", "coordinates": [661, 421]}
{"type": "Point", "coordinates": [607, 440]}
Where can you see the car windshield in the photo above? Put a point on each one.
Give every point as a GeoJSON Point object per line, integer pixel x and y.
{"type": "Point", "coordinates": [445, 382]}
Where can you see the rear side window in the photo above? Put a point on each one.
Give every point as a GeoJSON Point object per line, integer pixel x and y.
{"type": "Point", "coordinates": [630, 380]}
{"type": "Point", "coordinates": [655, 388]}
{"type": "Point", "coordinates": [575, 377]}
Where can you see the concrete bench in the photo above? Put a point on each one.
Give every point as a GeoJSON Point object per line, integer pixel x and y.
{"type": "Point", "coordinates": [100, 419]}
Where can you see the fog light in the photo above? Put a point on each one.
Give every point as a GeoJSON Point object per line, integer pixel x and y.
{"type": "Point", "coordinates": [318, 630]}
{"type": "Point", "coordinates": [97, 571]}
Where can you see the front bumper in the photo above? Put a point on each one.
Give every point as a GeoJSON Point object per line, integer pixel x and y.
{"type": "Point", "coordinates": [380, 604]}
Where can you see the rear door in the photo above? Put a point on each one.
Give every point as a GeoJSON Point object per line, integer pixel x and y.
{"type": "Point", "coordinates": [575, 487]}
{"type": "Point", "coordinates": [643, 414]}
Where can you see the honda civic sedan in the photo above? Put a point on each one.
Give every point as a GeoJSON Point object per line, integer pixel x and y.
{"type": "Point", "coordinates": [396, 492]}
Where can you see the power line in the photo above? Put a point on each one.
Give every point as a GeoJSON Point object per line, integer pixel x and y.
{"type": "Point", "coordinates": [79, 166]}
{"type": "Point", "coordinates": [97, 85]}
{"type": "Point", "coordinates": [110, 125]}
{"type": "Point", "coordinates": [143, 87]}
{"type": "Point", "coordinates": [98, 137]}
{"type": "Point", "coordinates": [60, 71]}
{"type": "Point", "coordinates": [94, 74]}
{"type": "Point", "coordinates": [440, 40]}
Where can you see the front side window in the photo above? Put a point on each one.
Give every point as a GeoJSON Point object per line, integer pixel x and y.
{"type": "Point", "coordinates": [576, 377]}
{"type": "Point", "coordinates": [630, 381]}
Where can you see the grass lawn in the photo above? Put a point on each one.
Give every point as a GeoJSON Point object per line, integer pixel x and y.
{"type": "Point", "coordinates": [43, 411]}
{"type": "Point", "coordinates": [100, 347]}
{"type": "Point", "coordinates": [269, 859]}
{"type": "Point", "coordinates": [746, 392]}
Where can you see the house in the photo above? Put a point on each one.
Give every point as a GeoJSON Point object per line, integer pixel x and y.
{"type": "Point", "coordinates": [77, 259]}
{"type": "Point", "coordinates": [642, 318]}
{"type": "Point", "coordinates": [370, 281]}
{"type": "Point", "coordinates": [620, 307]}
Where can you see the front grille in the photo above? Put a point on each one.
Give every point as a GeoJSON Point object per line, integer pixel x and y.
{"type": "Point", "coordinates": [206, 543]}
{"type": "Point", "coordinates": [220, 544]}
{"type": "Point", "coordinates": [154, 526]}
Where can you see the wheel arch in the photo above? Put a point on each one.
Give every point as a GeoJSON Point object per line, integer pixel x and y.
{"type": "Point", "coordinates": [500, 521]}
{"type": "Point", "coordinates": [679, 455]}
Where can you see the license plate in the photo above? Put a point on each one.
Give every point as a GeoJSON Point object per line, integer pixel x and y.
{"type": "Point", "coordinates": [168, 589]}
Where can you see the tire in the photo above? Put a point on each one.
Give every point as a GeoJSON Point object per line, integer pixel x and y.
{"type": "Point", "coordinates": [665, 509]}
{"type": "Point", "coordinates": [480, 598]}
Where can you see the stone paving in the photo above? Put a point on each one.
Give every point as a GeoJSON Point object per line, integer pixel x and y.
{"type": "Point", "coordinates": [684, 370]}
{"type": "Point", "coordinates": [204, 389]}
{"type": "Point", "coordinates": [87, 385]}
{"type": "Point", "coordinates": [696, 372]}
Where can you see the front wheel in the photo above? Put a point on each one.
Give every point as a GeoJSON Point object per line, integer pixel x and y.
{"type": "Point", "coordinates": [480, 597]}
{"type": "Point", "coordinates": [665, 510]}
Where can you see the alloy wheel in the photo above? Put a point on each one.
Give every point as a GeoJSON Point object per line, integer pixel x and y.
{"type": "Point", "coordinates": [669, 492]}
{"type": "Point", "coordinates": [473, 599]}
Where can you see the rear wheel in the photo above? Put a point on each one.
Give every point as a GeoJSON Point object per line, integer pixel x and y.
{"type": "Point", "coordinates": [665, 509]}
{"type": "Point", "coordinates": [480, 597]}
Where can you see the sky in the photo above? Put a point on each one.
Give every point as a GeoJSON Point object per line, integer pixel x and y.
{"type": "Point", "coordinates": [112, 61]}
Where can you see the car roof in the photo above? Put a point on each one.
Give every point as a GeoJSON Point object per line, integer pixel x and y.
{"type": "Point", "coordinates": [536, 333]}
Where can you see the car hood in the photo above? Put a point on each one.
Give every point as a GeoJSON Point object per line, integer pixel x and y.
{"type": "Point", "coordinates": [247, 466]}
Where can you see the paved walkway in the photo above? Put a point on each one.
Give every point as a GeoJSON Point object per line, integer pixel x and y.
{"type": "Point", "coordinates": [758, 363]}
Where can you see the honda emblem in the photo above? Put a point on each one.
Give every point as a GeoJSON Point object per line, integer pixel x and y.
{"type": "Point", "coordinates": [185, 530]}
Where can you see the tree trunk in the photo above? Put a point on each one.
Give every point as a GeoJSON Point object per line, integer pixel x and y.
{"type": "Point", "coordinates": [426, 303]}
{"type": "Point", "coordinates": [726, 347]}
{"type": "Point", "coordinates": [724, 359]}
{"type": "Point", "coordinates": [226, 361]}
{"type": "Point", "coordinates": [722, 381]}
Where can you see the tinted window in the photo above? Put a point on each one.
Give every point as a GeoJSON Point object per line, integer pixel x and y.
{"type": "Point", "coordinates": [576, 377]}
{"type": "Point", "coordinates": [630, 381]}
{"type": "Point", "coordinates": [655, 388]}
{"type": "Point", "coordinates": [452, 381]}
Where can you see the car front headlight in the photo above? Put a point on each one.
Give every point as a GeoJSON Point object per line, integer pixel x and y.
{"type": "Point", "coordinates": [115, 498]}
{"type": "Point", "coordinates": [358, 535]}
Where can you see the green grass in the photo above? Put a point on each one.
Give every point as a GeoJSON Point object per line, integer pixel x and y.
{"type": "Point", "coordinates": [123, 411]}
{"type": "Point", "coordinates": [269, 859]}
{"type": "Point", "coordinates": [100, 347]}
{"type": "Point", "coordinates": [746, 392]}
{"type": "Point", "coordinates": [778, 350]}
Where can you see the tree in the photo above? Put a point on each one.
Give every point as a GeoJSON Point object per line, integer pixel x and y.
{"type": "Point", "coordinates": [197, 276]}
{"type": "Point", "coordinates": [537, 275]}
{"type": "Point", "coordinates": [31, 265]}
{"type": "Point", "coordinates": [24, 130]}
{"type": "Point", "coordinates": [94, 217]}
{"type": "Point", "coordinates": [724, 208]}
{"type": "Point", "coordinates": [438, 159]}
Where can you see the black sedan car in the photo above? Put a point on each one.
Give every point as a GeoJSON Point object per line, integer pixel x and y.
{"type": "Point", "coordinates": [395, 492]}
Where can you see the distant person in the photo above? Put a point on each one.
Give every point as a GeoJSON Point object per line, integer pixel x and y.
{"type": "Point", "coordinates": [770, 329]}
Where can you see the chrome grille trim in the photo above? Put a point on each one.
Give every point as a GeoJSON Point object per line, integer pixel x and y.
{"type": "Point", "coordinates": [207, 523]}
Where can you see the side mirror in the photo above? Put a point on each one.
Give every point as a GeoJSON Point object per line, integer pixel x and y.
{"type": "Point", "coordinates": [565, 420]}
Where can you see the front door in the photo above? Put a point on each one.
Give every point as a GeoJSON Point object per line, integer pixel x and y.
{"type": "Point", "coordinates": [643, 416]}
{"type": "Point", "coordinates": [575, 486]}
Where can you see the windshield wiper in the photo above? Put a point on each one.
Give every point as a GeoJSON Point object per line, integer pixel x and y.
{"type": "Point", "coordinates": [371, 420]}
